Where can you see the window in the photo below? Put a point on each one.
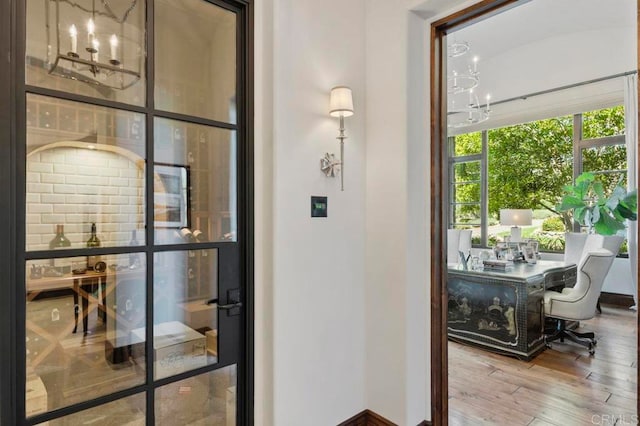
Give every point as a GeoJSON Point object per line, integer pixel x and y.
{"type": "Point", "coordinates": [466, 182]}
{"type": "Point", "coordinates": [526, 166]}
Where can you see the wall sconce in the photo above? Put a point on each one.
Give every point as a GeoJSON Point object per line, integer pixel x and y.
{"type": "Point", "coordinates": [340, 105]}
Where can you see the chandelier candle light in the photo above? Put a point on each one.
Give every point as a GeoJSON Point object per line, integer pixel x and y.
{"type": "Point", "coordinates": [109, 73]}
{"type": "Point", "coordinates": [460, 112]}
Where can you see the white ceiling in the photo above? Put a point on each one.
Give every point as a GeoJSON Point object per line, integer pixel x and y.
{"type": "Point", "coordinates": [431, 8]}
{"type": "Point", "coordinates": [544, 19]}
{"type": "Point", "coordinates": [547, 44]}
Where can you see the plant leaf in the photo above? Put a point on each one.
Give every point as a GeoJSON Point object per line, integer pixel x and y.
{"type": "Point", "coordinates": [617, 195]}
{"type": "Point", "coordinates": [631, 201]}
{"type": "Point", "coordinates": [626, 213]}
{"type": "Point", "coordinates": [569, 202]}
{"type": "Point", "coordinates": [595, 215]}
{"type": "Point", "coordinates": [608, 225]}
{"type": "Point", "coordinates": [598, 189]}
{"type": "Point", "coordinates": [585, 177]}
{"type": "Point", "coordinates": [578, 214]}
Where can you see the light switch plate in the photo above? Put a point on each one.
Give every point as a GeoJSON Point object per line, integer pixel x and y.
{"type": "Point", "coordinates": [318, 206]}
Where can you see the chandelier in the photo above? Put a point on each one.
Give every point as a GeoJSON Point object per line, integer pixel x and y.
{"type": "Point", "coordinates": [93, 44]}
{"type": "Point", "coordinates": [463, 78]}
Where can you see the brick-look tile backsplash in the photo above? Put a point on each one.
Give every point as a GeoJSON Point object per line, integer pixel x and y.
{"type": "Point", "coordinates": [76, 187]}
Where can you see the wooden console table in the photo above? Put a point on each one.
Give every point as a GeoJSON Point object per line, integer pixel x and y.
{"type": "Point", "coordinates": [502, 311]}
{"type": "Point", "coordinates": [81, 284]}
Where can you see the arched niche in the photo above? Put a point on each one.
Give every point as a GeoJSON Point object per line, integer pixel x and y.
{"type": "Point", "coordinates": [77, 183]}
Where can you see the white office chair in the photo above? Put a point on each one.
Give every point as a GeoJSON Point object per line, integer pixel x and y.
{"type": "Point", "coordinates": [579, 303]}
{"type": "Point", "coordinates": [458, 240]}
{"type": "Point", "coordinates": [579, 244]}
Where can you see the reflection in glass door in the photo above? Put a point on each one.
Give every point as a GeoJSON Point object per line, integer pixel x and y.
{"type": "Point", "coordinates": [133, 132]}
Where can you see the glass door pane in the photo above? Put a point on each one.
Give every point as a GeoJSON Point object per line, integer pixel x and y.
{"type": "Point", "coordinates": [208, 399]}
{"type": "Point", "coordinates": [194, 183]}
{"type": "Point", "coordinates": [106, 62]}
{"type": "Point", "coordinates": [128, 411]}
{"type": "Point", "coordinates": [85, 165]}
{"type": "Point", "coordinates": [185, 326]}
{"type": "Point", "coordinates": [77, 331]}
{"type": "Point", "coordinates": [196, 59]}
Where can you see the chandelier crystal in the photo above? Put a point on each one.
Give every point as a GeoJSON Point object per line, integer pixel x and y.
{"type": "Point", "coordinates": [463, 79]}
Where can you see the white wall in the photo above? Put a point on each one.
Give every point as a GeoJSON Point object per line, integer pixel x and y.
{"type": "Point", "coordinates": [342, 319]}
{"type": "Point", "coordinates": [397, 293]}
{"type": "Point", "coordinates": [264, 214]}
{"type": "Point", "coordinates": [329, 345]}
{"type": "Point", "coordinates": [386, 296]}
{"type": "Point", "coordinates": [311, 303]}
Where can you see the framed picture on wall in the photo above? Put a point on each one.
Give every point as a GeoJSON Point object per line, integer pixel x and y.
{"type": "Point", "coordinates": [171, 195]}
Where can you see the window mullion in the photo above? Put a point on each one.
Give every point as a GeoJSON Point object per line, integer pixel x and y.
{"type": "Point", "coordinates": [484, 188]}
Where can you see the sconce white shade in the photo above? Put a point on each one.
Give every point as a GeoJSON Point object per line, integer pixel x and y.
{"type": "Point", "coordinates": [341, 103]}
{"type": "Point", "coordinates": [516, 217]}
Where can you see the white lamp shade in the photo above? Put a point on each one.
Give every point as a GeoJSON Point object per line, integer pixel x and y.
{"type": "Point", "coordinates": [341, 103]}
{"type": "Point", "coordinates": [516, 217]}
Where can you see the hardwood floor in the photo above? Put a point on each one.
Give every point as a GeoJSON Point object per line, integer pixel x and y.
{"type": "Point", "coordinates": [562, 386]}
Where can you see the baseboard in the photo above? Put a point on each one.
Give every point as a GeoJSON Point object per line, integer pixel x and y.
{"type": "Point", "coordinates": [623, 300]}
{"type": "Point", "coordinates": [369, 418]}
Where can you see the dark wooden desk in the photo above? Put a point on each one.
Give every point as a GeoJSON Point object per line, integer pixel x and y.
{"type": "Point", "coordinates": [502, 310]}
{"type": "Point", "coordinates": [82, 284]}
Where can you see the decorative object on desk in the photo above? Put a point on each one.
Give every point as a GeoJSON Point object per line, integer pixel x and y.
{"type": "Point", "coordinates": [500, 250]}
{"type": "Point", "coordinates": [485, 255]}
{"type": "Point", "coordinates": [591, 207]}
{"type": "Point", "coordinates": [463, 260]}
{"type": "Point", "coordinates": [119, 67]}
{"type": "Point", "coordinates": [515, 250]}
{"type": "Point", "coordinates": [340, 105]}
{"type": "Point", "coordinates": [530, 255]}
{"type": "Point", "coordinates": [497, 264]}
{"type": "Point", "coordinates": [516, 218]}
{"type": "Point", "coordinates": [475, 263]}
{"type": "Point", "coordinates": [93, 242]}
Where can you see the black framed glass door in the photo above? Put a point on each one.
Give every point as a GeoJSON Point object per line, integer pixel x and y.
{"type": "Point", "coordinates": [133, 234]}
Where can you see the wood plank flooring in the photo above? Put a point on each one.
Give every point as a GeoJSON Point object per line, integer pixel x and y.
{"type": "Point", "coordinates": [562, 386]}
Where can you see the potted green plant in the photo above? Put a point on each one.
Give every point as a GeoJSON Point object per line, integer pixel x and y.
{"type": "Point", "coordinates": [594, 209]}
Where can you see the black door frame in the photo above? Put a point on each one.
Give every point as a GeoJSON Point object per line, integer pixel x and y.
{"type": "Point", "coordinates": [12, 205]}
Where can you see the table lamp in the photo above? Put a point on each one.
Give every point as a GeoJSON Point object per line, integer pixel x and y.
{"type": "Point", "coordinates": [516, 218]}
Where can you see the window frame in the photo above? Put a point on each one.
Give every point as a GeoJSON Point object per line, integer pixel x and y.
{"type": "Point", "coordinates": [579, 144]}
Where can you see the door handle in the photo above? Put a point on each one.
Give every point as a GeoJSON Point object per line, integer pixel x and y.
{"type": "Point", "coordinates": [230, 306]}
